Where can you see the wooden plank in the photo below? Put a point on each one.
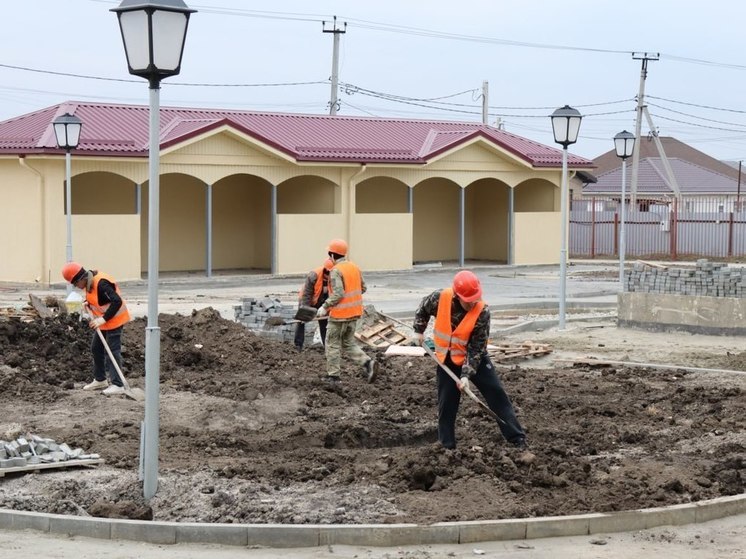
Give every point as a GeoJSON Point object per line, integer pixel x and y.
{"type": "Point", "coordinates": [51, 466]}
{"type": "Point", "coordinates": [412, 351]}
{"type": "Point", "coordinates": [40, 307]}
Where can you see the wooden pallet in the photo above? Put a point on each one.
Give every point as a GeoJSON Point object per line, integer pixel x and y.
{"type": "Point", "coordinates": [380, 334]}
{"type": "Point", "coordinates": [51, 466]}
{"type": "Point", "coordinates": [508, 352]}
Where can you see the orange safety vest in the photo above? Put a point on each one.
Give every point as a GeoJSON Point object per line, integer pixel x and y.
{"type": "Point", "coordinates": [91, 297]}
{"type": "Point", "coordinates": [446, 339]}
{"type": "Point", "coordinates": [318, 287]}
{"type": "Point", "coordinates": [351, 304]}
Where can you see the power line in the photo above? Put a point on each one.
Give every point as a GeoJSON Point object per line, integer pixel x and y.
{"type": "Point", "coordinates": [697, 105]}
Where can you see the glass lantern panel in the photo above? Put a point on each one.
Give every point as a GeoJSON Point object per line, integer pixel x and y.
{"type": "Point", "coordinates": [136, 39]}
{"type": "Point", "coordinates": [169, 33]}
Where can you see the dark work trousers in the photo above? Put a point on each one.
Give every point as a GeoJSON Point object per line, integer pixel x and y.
{"type": "Point", "coordinates": [300, 333]}
{"type": "Point", "coordinates": [488, 383]}
{"type": "Point", "coordinates": [101, 361]}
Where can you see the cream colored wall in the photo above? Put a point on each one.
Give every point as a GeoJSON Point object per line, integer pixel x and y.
{"type": "Point", "coordinates": [486, 221]}
{"type": "Point", "coordinates": [382, 241]}
{"type": "Point", "coordinates": [436, 221]}
{"type": "Point", "coordinates": [240, 224]}
{"type": "Point", "coordinates": [381, 195]}
{"type": "Point", "coordinates": [181, 239]}
{"type": "Point", "coordinates": [536, 195]}
{"type": "Point", "coordinates": [306, 194]}
{"type": "Point", "coordinates": [22, 224]}
{"type": "Point", "coordinates": [537, 238]}
{"type": "Point", "coordinates": [117, 253]}
{"type": "Point", "coordinates": [103, 193]}
{"type": "Point", "coordinates": [302, 240]}
{"type": "Point", "coordinates": [242, 221]}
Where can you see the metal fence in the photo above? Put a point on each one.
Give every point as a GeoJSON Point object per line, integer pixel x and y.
{"type": "Point", "coordinates": [687, 227]}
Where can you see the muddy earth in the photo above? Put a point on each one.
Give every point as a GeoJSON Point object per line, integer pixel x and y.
{"type": "Point", "coordinates": [251, 433]}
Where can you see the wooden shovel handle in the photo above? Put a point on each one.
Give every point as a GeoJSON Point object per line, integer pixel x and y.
{"type": "Point", "coordinates": [466, 390]}
{"type": "Point", "coordinates": [113, 361]}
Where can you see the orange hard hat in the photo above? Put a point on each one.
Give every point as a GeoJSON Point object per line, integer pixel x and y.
{"type": "Point", "coordinates": [467, 286]}
{"type": "Point", "coordinates": [338, 246]}
{"type": "Point", "coordinates": [71, 270]}
{"type": "Point", "coordinates": [328, 264]}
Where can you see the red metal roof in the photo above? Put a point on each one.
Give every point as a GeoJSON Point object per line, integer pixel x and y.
{"type": "Point", "coordinates": [122, 130]}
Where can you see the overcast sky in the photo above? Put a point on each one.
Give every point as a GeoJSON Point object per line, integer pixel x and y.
{"type": "Point", "coordinates": [431, 54]}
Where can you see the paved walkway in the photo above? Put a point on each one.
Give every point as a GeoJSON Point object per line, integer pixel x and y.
{"type": "Point", "coordinates": [397, 293]}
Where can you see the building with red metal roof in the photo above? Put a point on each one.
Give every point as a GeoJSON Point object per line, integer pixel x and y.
{"type": "Point", "coordinates": [252, 190]}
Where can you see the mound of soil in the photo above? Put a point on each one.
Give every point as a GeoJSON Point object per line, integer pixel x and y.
{"type": "Point", "coordinates": [250, 432]}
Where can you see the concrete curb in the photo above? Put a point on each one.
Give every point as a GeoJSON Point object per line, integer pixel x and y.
{"type": "Point", "coordinates": [314, 535]}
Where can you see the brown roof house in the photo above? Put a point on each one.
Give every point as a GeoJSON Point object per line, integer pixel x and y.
{"type": "Point", "coordinates": [242, 190]}
{"type": "Point", "coordinates": [702, 180]}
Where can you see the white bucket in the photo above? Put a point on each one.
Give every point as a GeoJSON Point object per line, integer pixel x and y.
{"type": "Point", "coordinates": [74, 302]}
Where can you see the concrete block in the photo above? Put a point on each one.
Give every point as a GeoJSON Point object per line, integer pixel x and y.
{"type": "Point", "coordinates": [674, 515]}
{"type": "Point", "coordinates": [223, 534]}
{"type": "Point", "coordinates": [492, 530]}
{"type": "Point", "coordinates": [150, 532]}
{"type": "Point", "coordinates": [22, 520]}
{"type": "Point", "coordinates": [553, 526]}
{"type": "Point", "coordinates": [6, 462]}
{"type": "Point", "coordinates": [369, 534]}
{"type": "Point", "coordinates": [720, 507]}
{"type": "Point", "coordinates": [99, 528]}
{"type": "Point", "coordinates": [283, 535]}
{"type": "Point", "coordinates": [22, 444]}
{"type": "Point", "coordinates": [623, 521]}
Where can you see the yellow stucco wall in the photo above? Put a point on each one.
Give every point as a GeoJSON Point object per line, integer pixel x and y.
{"type": "Point", "coordinates": [122, 260]}
{"type": "Point", "coordinates": [315, 202]}
{"type": "Point", "coordinates": [537, 238]}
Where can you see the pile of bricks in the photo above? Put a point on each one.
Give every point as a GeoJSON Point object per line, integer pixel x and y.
{"type": "Point", "coordinates": [710, 279]}
{"type": "Point", "coordinates": [32, 450]}
{"type": "Point", "coordinates": [254, 313]}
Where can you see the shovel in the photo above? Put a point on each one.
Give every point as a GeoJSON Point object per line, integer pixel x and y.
{"type": "Point", "coordinates": [465, 389]}
{"type": "Point", "coordinates": [133, 393]}
{"type": "Point", "coordinates": [304, 313]}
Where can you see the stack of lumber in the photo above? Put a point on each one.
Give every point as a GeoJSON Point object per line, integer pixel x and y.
{"type": "Point", "coordinates": [509, 352]}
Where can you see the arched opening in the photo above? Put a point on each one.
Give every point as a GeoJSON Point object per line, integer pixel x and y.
{"type": "Point", "coordinates": [436, 221]}
{"type": "Point", "coordinates": [380, 195]}
{"type": "Point", "coordinates": [487, 221]}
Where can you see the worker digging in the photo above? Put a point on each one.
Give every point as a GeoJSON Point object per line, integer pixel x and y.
{"type": "Point", "coordinates": [461, 333]}
{"type": "Point", "coordinates": [108, 316]}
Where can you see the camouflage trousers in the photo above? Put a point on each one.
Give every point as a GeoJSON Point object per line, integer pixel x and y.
{"type": "Point", "coordinates": [341, 342]}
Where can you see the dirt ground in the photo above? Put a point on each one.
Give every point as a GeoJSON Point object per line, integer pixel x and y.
{"type": "Point", "coordinates": [250, 432]}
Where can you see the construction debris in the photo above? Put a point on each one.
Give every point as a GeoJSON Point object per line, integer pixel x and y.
{"type": "Point", "coordinates": [378, 330]}
{"type": "Point", "coordinates": [31, 453]}
{"type": "Point", "coordinates": [509, 352]}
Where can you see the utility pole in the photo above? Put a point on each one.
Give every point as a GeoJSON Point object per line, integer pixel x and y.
{"type": "Point", "coordinates": [644, 56]}
{"type": "Point", "coordinates": [333, 102]}
{"type": "Point", "coordinates": [485, 101]}
{"type": "Point", "coordinates": [738, 192]}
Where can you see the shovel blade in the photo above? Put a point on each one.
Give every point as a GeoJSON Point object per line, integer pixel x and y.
{"type": "Point", "coordinates": [305, 313]}
{"type": "Point", "coordinates": [136, 394]}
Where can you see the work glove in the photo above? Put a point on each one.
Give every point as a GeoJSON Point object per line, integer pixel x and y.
{"type": "Point", "coordinates": [322, 312]}
{"type": "Point", "coordinates": [468, 372]}
{"type": "Point", "coordinates": [417, 339]}
{"type": "Point", "coordinates": [96, 322]}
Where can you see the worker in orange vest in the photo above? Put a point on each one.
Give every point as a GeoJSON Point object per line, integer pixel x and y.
{"type": "Point", "coordinates": [109, 314]}
{"type": "Point", "coordinates": [460, 333]}
{"type": "Point", "coordinates": [344, 307]}
{"type": "Point", "coordinates": [314, 292]}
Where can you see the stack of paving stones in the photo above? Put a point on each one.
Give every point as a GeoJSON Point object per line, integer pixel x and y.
{"type": "Point", "coordinates": [710, 279]}
{"type": "Point", "coordinates": [32, 449]}
{"type": "Point", "coordinates": [253, 313]}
